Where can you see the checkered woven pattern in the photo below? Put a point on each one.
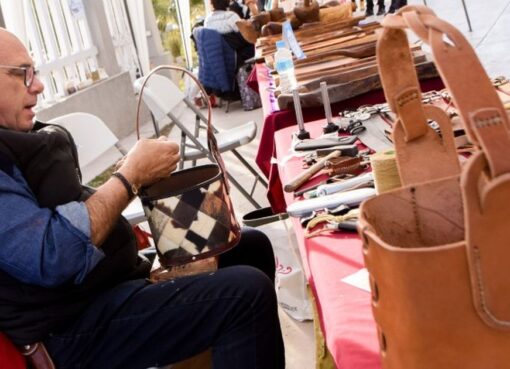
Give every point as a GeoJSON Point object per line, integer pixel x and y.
{"type": "Point", "coordinates": [196, 224]}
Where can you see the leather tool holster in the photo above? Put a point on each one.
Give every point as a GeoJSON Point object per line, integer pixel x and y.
{"type": "Point", "coordinates": [437, 249]}
{"type": "Point", "coordinates": [37, 356]}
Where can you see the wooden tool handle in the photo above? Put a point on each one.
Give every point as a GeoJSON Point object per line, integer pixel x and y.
{"type": "Point", "coordinates": [307, 174]}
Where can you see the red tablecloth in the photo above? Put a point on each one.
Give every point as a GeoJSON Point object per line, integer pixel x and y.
{"type": "Point", "coordinates": [275, 120]}
{"type": "Point", "coordinates": [10, 358]}
{"type": "Point", "coordinates": [344, 310]}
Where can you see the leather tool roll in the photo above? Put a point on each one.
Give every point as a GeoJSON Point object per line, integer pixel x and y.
{"type": "Point", "coordinates": [437, 249]}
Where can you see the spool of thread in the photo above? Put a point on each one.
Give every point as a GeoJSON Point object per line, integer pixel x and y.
{"type": "Point", "coordinates": [384, 169]}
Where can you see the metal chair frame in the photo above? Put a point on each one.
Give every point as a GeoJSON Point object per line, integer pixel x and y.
{"type": "Point", "coordinates": [162, 106]}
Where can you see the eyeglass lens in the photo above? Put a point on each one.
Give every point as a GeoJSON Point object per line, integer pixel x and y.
{"type": "Point", "coordinates": [29, 76]}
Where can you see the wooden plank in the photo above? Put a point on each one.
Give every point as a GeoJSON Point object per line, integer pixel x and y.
{"type": "Point", "coordinates": [322, 37]}
{"type": "Point", "coordinates": [346, 68]}
{"type": "Point", "coordinates": [352, 86]}
{"type": "Point", "coordinates": [324, 48]}
{"type": "Point", "coordinates": [311, 29]}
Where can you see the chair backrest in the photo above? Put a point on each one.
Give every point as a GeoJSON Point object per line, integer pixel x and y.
{"type": "Point", "coordinates": [91, 135]}
{"type": "Point", "coordinates": [93, 138]}
{"type": "Point", "coordinates": [160, 94]}
{"type": "Point", "coordinates": [217, 60]}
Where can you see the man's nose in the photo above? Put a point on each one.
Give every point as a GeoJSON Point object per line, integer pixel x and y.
{"type": "Point", "coordinates": [37, 86]}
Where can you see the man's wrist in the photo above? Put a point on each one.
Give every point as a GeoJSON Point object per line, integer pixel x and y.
{"type": "Point", "coordinates": [131, 188]}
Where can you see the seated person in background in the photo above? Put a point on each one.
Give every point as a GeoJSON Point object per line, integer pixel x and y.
{"type": "Point", "coordinates": [224, 22]}
{"type": "Point", "coordinates": [69, 272]}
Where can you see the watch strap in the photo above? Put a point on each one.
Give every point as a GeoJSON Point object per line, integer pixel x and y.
{"type": "Point", "coordinates": [131, 189]}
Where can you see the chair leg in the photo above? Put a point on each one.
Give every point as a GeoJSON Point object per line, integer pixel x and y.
{"type": "Point", "coordinates": [156, 126]}
{"type": "Point", "coordinates": [207, 153]}
{"type": "Point", "coordinates": [228, 106]}
{"type": "Point", "coordinates": [244, 192]}
{"type": "Point", "coordinates": [258, 177]}
{"type": "Point", "coordinates": [182, 150]}
{"type": "Point", "coordinates": [467, 16]}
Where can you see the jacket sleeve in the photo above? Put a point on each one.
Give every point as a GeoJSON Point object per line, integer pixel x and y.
{"type": "Point", "coordinates": [37, 245]}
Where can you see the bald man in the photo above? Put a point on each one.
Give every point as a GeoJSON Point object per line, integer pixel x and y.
{"type": "Point", "coordinates": [69, 272]}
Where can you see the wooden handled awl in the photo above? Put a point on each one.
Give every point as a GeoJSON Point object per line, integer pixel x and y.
{"type": "Point", "coordinates": [307, 174]}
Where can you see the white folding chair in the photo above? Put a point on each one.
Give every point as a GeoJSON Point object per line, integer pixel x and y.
{"type": "Point", "coordinates": [93, 138]}
{"type": "Point", "coordinates": [162, 96]}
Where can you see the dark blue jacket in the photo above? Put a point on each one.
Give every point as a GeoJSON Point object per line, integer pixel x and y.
{"type": "Point", "coordinates": [217, 60]}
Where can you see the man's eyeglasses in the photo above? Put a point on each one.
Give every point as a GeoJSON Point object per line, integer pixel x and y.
{"type": "Point", "coordinates": [28, 73]}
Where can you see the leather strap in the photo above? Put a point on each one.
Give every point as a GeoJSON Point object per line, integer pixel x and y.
{"type": "Point", "coordinates": [422, 155]}
{"type": "Point", "coordinates": [485, 179]}
{"type": "Point", "coordinates": [428, 156]}
{"type": "Point", "coordinates": [211, 138]}
{"type": "Point", "coordinates": [37, 356]}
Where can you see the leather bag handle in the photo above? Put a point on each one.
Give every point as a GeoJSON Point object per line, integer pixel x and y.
{"type": "Point", "coordinates": [485, 179]}
{"type": "Point", "coordinates": [211, 139]}
{"type": "Point", "coordinates": [422, 154]}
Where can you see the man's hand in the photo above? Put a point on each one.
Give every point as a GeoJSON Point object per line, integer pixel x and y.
{"type": "Point", "coordinates": [148, 161]}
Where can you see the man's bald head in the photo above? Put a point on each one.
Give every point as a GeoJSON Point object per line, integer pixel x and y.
{"type": "Point", "coordinates": [16, 99]}
{"type": "Point", "coordinates": [11, 46]}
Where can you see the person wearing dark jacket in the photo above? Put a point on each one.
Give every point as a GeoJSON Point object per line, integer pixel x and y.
{"type": "Point", "coordinates": [70, 276]}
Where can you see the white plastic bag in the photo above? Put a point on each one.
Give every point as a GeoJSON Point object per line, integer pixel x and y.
{"type": "Point", "coordinates": [290, 280]}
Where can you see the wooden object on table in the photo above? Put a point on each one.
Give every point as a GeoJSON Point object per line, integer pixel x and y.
{"type": "Point", "coordinates": [358, 52]}
{"type": "Point", "coordinates": [252, 29]}
{"type": "Point", "coordinates": [343, 66]}
{"type": "Point", "coordinates": [322, 37]}
{"type": "Point", "coordinates": [342, 55]}
{"type": "Point", "coordinates": [354, 82]}
{"type": "Point", "coordinates": [311, 29]}
{"type": "Point", "coordinates": [328, 49]}
{"type": "Point", "coordinates": [298, 181]}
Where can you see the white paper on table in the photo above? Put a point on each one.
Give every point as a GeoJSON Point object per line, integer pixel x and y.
{"type": "Point", "coordinates": [360, 279]}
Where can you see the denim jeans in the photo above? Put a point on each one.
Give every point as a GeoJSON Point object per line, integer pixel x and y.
{"type": "Point", "coordinates": [137, 325]}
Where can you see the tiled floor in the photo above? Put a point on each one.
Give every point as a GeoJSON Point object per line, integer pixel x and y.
{"type": "Point", "coordinates": [490, 37]}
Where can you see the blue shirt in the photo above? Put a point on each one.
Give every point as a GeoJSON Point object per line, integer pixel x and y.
{"type": "Point", "coordinates": [42, 246]}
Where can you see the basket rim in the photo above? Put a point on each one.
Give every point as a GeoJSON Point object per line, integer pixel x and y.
{"type": "Point", "coordinates": [144, 197]}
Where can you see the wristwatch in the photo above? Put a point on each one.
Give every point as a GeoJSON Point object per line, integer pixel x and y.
{"type": "Point", "coordinates": [131, 188]}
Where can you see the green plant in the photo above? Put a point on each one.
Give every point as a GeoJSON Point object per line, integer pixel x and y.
{"type": "Point", "coordinates": [166, 13]}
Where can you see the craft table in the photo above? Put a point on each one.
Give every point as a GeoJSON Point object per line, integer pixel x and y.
{"type": "Point", "coordinates": [275, 119]}
{"type": "Point", "coordinates": [344, 310]}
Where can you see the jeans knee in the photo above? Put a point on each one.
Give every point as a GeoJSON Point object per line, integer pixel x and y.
{"type": "Point", "coordinates": [253, 284]}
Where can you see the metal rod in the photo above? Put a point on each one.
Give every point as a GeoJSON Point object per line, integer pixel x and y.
{"type": "Point", "coordinates": [465, 12]}
{"type": "Point", "coordinates": [302, 134]}
{"type": "Point", "coordinates": [330, 126]}
{"type": "Point", "coordinates": [325, 102]}
{"type": "Point", "coordinates": [467, 16]}
{"type": "Point", "coordinates": [297, 109]}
